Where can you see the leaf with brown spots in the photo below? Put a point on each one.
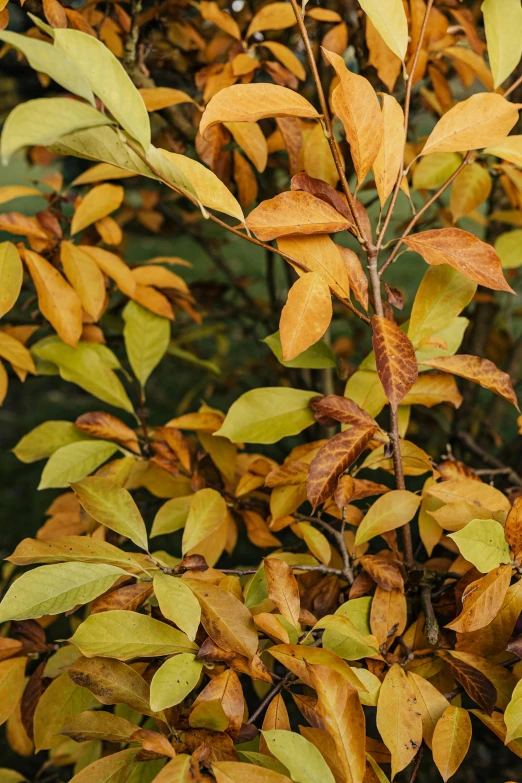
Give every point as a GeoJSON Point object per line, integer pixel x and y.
{"type": "Point", "coordinates": [289, 473]}
{"type": "Point", "coordinates": [398, 718]}
{"type": "Point", "coordinates": [478, 370]}
{"type": "Point", "coordinates": [99, 424]}
{"type": "Point", "coordinates": [129, 598]}
{"type": "Point", "coordinates": [255, 668]}
{"type": "Point", "coordinates": [333, 459]}
{"type": "Point", "coordinates": [395, 359]}
{"type": "Point", "coordinates": [341, 409]}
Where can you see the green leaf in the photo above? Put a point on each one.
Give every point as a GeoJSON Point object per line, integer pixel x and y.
{"type": "Point", "coordinates": [513, 715]}
{"type": "Point", "coordinates": [207, 513]}
{"type": "Point", "coordinates": [434, 170]}
{"type": "Point", "coordinates": [109, 81]}
{"type": "Point", "coordinates": [267, 415]}
{"type": "Point", "coordinates": [389, 512]}
{"type": "Point", "coordinates": [257, 590]}
{"type": "Point", "coordinates": [192, 359]}
{"type": "Point", "coordinates": [172, 516]}
{"type": "Point", "coordinates": [112, 506]}
{"type": "Point", "coordinates": [174, 680]}
{"type": "Point", "coordinates": [115, 768]}
{"type": "Point", "coordinates": [442, 295]}
{"type": "Point", "coordinates": [103, 144]}
{"type": "Point", "coordinates": [318, 357]}
{"type": "Point", "coordinates": [178, 603]}
{"type": "Point", "coordinates": [342, 637]}
{"type": "Point", "coordinates": [47, 438]}
{"type": "Point", "coordinates": [170, 171]}
{"type": "Point", "coordinates": [451, 335]}
{"type": "Point", "coordinates": [482, 542]}
{"type": "Point", "coordinates": [46, 58]}
{"type": "Point", "coordinates": [44, 120]}
{"type": "Point", "coordinates": [124, 635]}
{"type": "Point", "coordinates": [503, 23]}
{"type": "Point", "coordinates": [302, 759]}
{"type": "Point", "coordinates": [261, 760]}
{"type": "Point", "coordinates": [65, 549]}
{"type": "Point", "coordinates": [11, 276]}
{"type": "Point", "coordinates": [73, 462]}
{"type": "Point", "coordinates": [53, 589]}
{"type": "Point", "coordinates": [61, 701]}
{"type": "Point", "coordinates": [87, 367]}
{"type": "Point", "coordinates": [509, 248]}
{"type": "Point", "coordinates": [146, 337]}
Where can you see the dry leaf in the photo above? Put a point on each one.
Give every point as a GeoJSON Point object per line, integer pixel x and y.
{"type": "Point", "coordinates": [306, 315]}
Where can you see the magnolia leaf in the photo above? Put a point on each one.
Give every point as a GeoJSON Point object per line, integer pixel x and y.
{"type": "Point", "coordinates": [12, 682]}
{"type": "Point", "coordinates": [174, 680]}
{"type": "Point", "coordinates": [11, 276]}
{"type": "Point", "coordinates": [16, 353]}
{"type": "Point", "coordinates": [207, 513]}
{"type": "Point", "coordinates": [172, 516]}
{"type": "Point", "coordinates": [433, 170]}
{"type": "Point", "coordinates": [474, 258]}
{"type": "Point", "coordinates": [115, 768]}
{"type": "Point", "coordinates": [177, 603]}
{"type": "Point", "coordinates": [75, 461]}
{"type": "Point", "coordinates": [333, 459]}
{"type": "Point", "coordinates": [390, 21]}
{"type": "Point", "coordinates": [57, 300]}
{"type": "Point", "coordinates": [100, 424]}
{"type": "Point", "coordinates": [355, 102]}
{"type": "Point", "coordinates": [513, 529]}
{"type": "Point", "coordinates": [103, 144]}
{"type": "Point", "coordinates": [274, 16]}
{"type": "Point", "coordinates": [109, 81]}
{"type": "Point", "coordinates": [294, 212]}
{"type": "Point", "coordinates": [473, 491]}
{"type": "Point", "coordinates": [45, 58]}
{"type": "Point", "coordinates": [389, 512]}
{"type": "Point", "coordinates": [267, 415]}
{"type": "Point", "coordinates": [85, 277]}
{"type": "Point", "coordinates": [508, 248]}
{"type": "Point", "coordinates": [513, 715]}
{"type": "Point", "coordinates": [451, 740]}
{"type": "Point", "coordinates": [283, 589]}
{"type": "Point", "coordinates": [344, 638]}
{"type": "Point", "coordinates": [319, 254]}
{"type": "Point", "coordinates": [97, 204]}
{"type": "Point", "coordinates": [431, 703]}
{"type": "Point", "coordinates": [64, 549]}
{"type": "Point", "coordinates": [251, 139]}
{"type": "Point", "coordinates": [395, 359]}
{"type": "Point", "coordinates": [53, 589]}
{"type": "Point", "coordinates": [472, 186]}
{"type": "Point", "coordinates": [114, 267]}
{"type": "Point", "coordinates": [112, 506]}
{"type": "Point", "coordinates": [157, 98]}
{"type": "Point", "coordinates": [125, 635]}
{"type": "Point", "coordinates": [112, 682]}
{"type": "Point", "coordinates": [91, 725]}
{"type": "Point", "coordinates": [253, 102]}
{"type": "Point", "coordinates": [302, 759]}
{"type": "Point", "coordinates": [44, 120]}
{"type": "Point", "coordinates": [317, 357]}
{"type": "Point", "coordinates": [482, 542]}
{"type": "Point", "coordinates": [398, 720]}
{"type": "Point", "coordinates": [147, 337]}
{"type": "Point", "coordinates": [503, 24]}
{"type": "Point", "coordinates": [478, 370]}
{"type": "Point", "coordinates": [306, 315]}
{"type": "Point", "coordinates": [60, 702]}
{"type": "Point", "coordinates": [387, 164]}
{"type": "Point", "coordinates": [509, 149]}
{"type": "Point", "coordinates": [482, 120]}
{"type": "Point", "coordinates": [433, 388]}
{"type": "Point", "coordinates": [237, 771]}
{"type": "Point", "coordinates": [482, 601]}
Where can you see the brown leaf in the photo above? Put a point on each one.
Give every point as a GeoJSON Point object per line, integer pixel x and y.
{"type": "Point", "coordinates": [356, 275]}
{"type": "Point", "coordinates": [154, 741]}
{"type": "Point", "coordinates": [383, 571]}
{"type": "Point", "coordinates": [322, 190]}
{"type": "Point", "coordinates": [226, 689]}
{"type": "Point", "coordinates": [129, 598]}
{"type": "Point", "coordinates": [388, 615]}
{"type": "Point", "coordinates": [476, 684]}
{"type": "Point", "coordinates": [255, 668]}
{"type": "Point", "coordinates": [342, 409]}
{"type": "Point", "coordinates": [306, 315]}
{"type": "Point", "coordinates": [333, 459]}
{"type": "Point", "coordinates": [294, 212]}
{"type": "Point", "coordinates": [289, 473]}
{"type": "Point", "coordinates": [282, 588]}
{"type": "Point", "coordinates": [482, 600]}
{"type": "Point", "coordinates": [307, 705]}
{"type": "Point", "coordinates": [100, 424]}
{"type": "Point", "coordinates": [478, 370]}
{"type": "Point", "coordinates": [513, 529]}
{"type": "Point", "coordinates": [219, 746]}
{"type": "Point", "coordinates": [112, 682]}
{"type": "Point", "coordinates": [395, 359]}
{"type": "Point", "coordinates": [474, 258]}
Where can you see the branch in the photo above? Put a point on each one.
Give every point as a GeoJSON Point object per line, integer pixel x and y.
{"type": "Point", "coordinates": [266, 701]}
{"type": "Point", "coordinates": [432, 626]}
{"type": "Point", "coordinates": [131, 43]}
{"type": "Point", "coordinates": [347, 571]}
{"type": "Point", "coordinates": [488, 458]}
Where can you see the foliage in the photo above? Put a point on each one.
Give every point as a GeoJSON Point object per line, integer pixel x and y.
{"type": "Point", "coordinates": [382, 613]}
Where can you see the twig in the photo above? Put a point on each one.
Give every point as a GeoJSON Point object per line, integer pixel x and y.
{"type": "Point", "coordinates": [488, 458]}
{"type": "Point", "coordinates": [432, 626]}
{"type": "Point", "coordinates": [131, 43]}
{"type": "Point", "coordinates": [513, 87]}
{"type": "Point", "coordinates": [400, 483]}
{"type": "Point", "coordinates": [418, 759]}
{"type": "Point", "coordinates": [320, 569]}
{"type": "Point", "coordinates": [266, 701]}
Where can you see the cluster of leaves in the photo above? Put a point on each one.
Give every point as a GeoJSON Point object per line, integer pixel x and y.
{"type": "Point", "coordinates": [343, 623]}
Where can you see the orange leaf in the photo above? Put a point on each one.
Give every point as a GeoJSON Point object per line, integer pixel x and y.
{"type": "Point", "coordinates": [482, 600]}
{"type": "Point", "coordinates": [478, 370]}
{"type": "Point", "coordinates": [282, 588]}
{"type": "Point", "coordinates": [387, 164]}
{"type": "Point", "coordinates": [395, 359]}
{"type": "Point", "coordinates": [513, 528]}
{"type": "Point", "coordinates": [85, 277]}
{"type": "Point", "coordinates": [100, 424]}
{"type": "Point", "coordinates": [294, 212]}
{"type": "Point", "coordinates": [306, 315]}
{"type": "Point", "coordinates": [318, 254]}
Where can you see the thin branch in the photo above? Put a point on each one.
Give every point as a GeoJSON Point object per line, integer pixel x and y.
{"type": "Point", "coordinates": [513, 87]}
{"type": "Point", "coordinates": [266, 701]}
{"type": "Point", "coordinates": [418, 759]}
{"type": "Point", "coordinates": [400, 483]}
{"type": "Point", "coordinates": [488, 458]}
{"type": "Point", "coordinates": [131, 42]}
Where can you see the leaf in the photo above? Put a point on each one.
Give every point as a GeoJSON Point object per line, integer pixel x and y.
{"type": "Point", "coordinates": [100, 424]}
{"type": "Point", "coordinates": [503, 24]}
{"type": "Point", "coordinates": [64, 549]}
{"type": "Point", "coordinates": [482, 542]}
{"type": "Point", "coordinates": [354, 101]}
{"type": "Point", "coordinates": [443, 293]}
{"type": "Point", "coordinates": [172, 516]}
{"type": "Point", "coordinates": [433, 170]}
{"type": "Point", "coordinates": [11, 276]}
{"type": "Point", "coordinates": [251, 139]}
{"type": "Point", "coordinates": [475, 259]}
{"type": "Point", "coordinates": [390, 21]}
{"type": "Point", "coordinates": [45, 58]}
{"type": "Point", "coordinates": [91, 725]}
{"type": "Point", "coordinates": [226, 620]}
{"type": "Point", "coordinates": [507, 246]}
{"type": "Point", "coordinates": [85, 277]}
{"type": "Point", "coordinates": [398, 720]}
{"type": "Point", "coordinates": [115, 768]}
{"type": "Point", "coordinates": [395, 359]}
{"type": "Point", "coordinates": [174, 680]}
{"type": "Point", "coordinates": [126, 635]}
{"type": "Point", "coordinates": [478, 370]}
{"type": "Point", "coordinates": [472, 490]}
{"type": "Point", "coordinates": [431, 703]}
{"type": "Point", "coordinates": [471, 187]}
{"type": "Point", "coordinates": [45, 120]}
{"type": "Point", "coordinates": [342, 713]}
{"type": "Point", "coordinates": [319, 254]}
{"type": "Point", "coordinates": [224, 690]}
{"type": "Point", "coordinates": [268, 414]}
{"type": "Point", "coordinates": [60, 702]}
{"type": "Point", "coordinates": [253, 102]}
{"type": "Point", "coordinates": [482, 601]}
{"type": "Point", "coordinates": [113, 266]}
{"type": "Point", "coordinates": [482, 120]}
{"type": "Point", "coordinates": [317, 357]}
{"type": "Point", "coordinates": [387, 164]}
{"type": "Point", "coordinates": [12, 682]}
{"type": "Point", "coordinates": [306, 315]}
{"type": "Point", "coordinates": [451, 741]}
{"type": "Point", "coordinates": [16, 353]}
{"type": "Point", "coordinates": [273, 16]}
{"type": "Point", "coordinates": [283, 589]}
{"type": "Point", "coordinates": [108, 80]}
{"type": "Point", "coordinates": [433, 388]}
{"type": "Point", "coordinates": [294, 212]}
{"type": "Point", "coordinates": [238, 772]}
{"type": "Point", "coordinates": [112, 506]}
{"type": "Point", "coordinates": [99, 202]}
{"type": "Point", "coordinates": [513, 715]}
{"type": "Point", "coordinates": [75, 461]}
{"type": "Point", "coordinates": [177, 603]}
{"type": "Point", "coordinates": [389, 512]}
{"type": "Point", "coordinates": [344, 638]}
{"type": "Point", "coordinates": [208, 512]}
{"type": "Point", "coordinates": [509, 149]}
{"type": "Point", "coordinates": [333, 459]}
{"type": "Point", "coordinates": [53, 589]}
{"type": "Point", "coordinates": [383, 571]}
{"type": "Point", "coordinates": [112, 682]}
{"type": "Point", "coordinates": [513, 529]}
{"type": "Point", "coordinates": [303, 761]}
{"type": "Point", "coordinates": [57, 300]}
{"type": "Point", "coordinates": [147, 337]}
{"type": "Point", "coordinates": [157, 98]}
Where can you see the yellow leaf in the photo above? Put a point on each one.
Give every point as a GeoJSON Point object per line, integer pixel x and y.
{"type": "Point", "coordinates": [483, 543]}
{"type": "Point", "coordinates": [503, 23]}
{"type": "Point", "coordinates": [99, 202]}
{"type": "Point", "coordinates": [157, 98]}
{"type": "Point", "coordinates": [177, 603]}
{"type": "Point", "coordinates": [318, 254]}
{"type": "Point", "coordinates": [398, 719]}
{"type": "Point", "coordinates": [509, 149]}
{"type": "Point", "coordinates": [12, 682]}
{"type": "Point", "coordinates": [11, 276]}
{"type": "Point", "coordinates": [10, 192]}
{"type": "Point", "coordinates": [113, 267]}
{"type": "Point", "coordinates": [306, 315]}
{"type": "Point", "coordinates": [451, 740]}
{"type": "Point", "coordinates": [206, 515]}
{"type": "Point", "coordinates": [387, 164]}
{"type": "Point", "coordinates": [431, 703]}
{"type": "Point", "coordinates": [251, 139]}
{"type": "Point", "coordinates": [294, 212]}
{"type": "Point", "coordinates": [174, 680]}
{"type": "Point", "coordinates": [211, 11]}
{"type": "Point", "coordinates": [287, 57]}
{"type": "Point", "coordinates": [389, 512]}
{"type": "Point", "coordinates": [272, 16]}
{"type": "Point", "coordinates": [16, 353]}
{"type": "Point", "coordinates": [85, 277]}
{"type": "Point", "coordinates": [318, 159]}
{"type": "Point", "coordinates": [389, 19]}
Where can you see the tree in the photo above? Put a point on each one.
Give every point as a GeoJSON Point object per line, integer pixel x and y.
{"type": "Point", "coordinates": [338, 134]}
